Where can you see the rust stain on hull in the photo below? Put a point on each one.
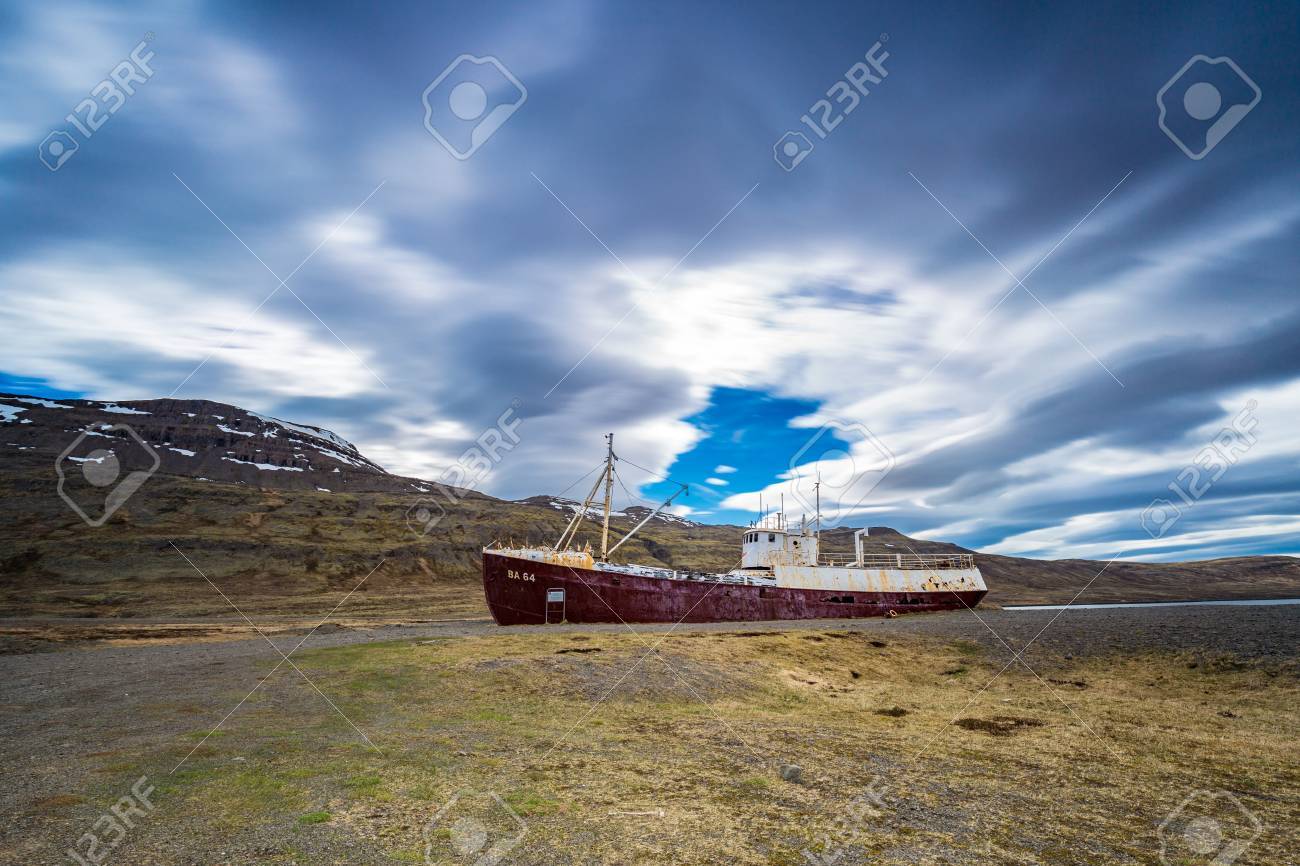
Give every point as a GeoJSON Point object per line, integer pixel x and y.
{"type": "Point", "coordinates": [517, 591]}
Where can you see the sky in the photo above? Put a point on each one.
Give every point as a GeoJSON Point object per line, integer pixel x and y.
{"type": "Point", "coordinates": [1002, 299]}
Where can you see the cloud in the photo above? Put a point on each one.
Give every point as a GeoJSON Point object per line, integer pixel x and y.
{"type": "Point", "coordinates": [127, 330]}
{"type": "Point", "coordinates": [50, 61]}
{"type": "Point", "coordinates": [470, 290]}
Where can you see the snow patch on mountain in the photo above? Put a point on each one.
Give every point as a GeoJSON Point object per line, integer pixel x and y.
{"type": "Point", "coordinates": [37, 401]}
{"type": "Point", "coordinates": [313, 432]}
{"type": "Point", "coordinates": [265, 465]}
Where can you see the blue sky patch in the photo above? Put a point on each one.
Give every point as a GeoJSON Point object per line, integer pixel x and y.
{"type": "Point", "coordinates": [749, 432]}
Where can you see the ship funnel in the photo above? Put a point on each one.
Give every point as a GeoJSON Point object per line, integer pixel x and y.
{"type": "Point", "coordinates": [857, 542]}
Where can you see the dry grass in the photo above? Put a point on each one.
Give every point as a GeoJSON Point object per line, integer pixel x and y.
{"type": "Point", "coordinates": [1081, 770]}
{"type": "Point", "coordinates": [273, 615]}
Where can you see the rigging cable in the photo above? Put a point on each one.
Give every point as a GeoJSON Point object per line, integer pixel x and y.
{"type": "Point", "coordinates": [579, 481]}
{"type": "Point", "coordinates": [630, 494]}
{"type": "Point", "coordinates": [650, 471]}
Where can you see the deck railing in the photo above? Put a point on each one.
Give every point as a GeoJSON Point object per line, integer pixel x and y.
{"type": "Point", "coordinates": [926, 561]}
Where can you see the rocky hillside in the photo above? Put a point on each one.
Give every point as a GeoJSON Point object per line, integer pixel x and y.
{"type": "Point", "coordinates": [282, 515]}
{"type": "Point", "coordinates": [194, 438]}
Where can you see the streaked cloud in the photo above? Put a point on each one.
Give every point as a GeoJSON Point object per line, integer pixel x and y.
{"type": "Point", "coordinates": [838, 293]}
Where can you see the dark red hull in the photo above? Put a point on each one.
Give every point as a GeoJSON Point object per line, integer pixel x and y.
{"type": "Point", "coordinates": [599, 596]}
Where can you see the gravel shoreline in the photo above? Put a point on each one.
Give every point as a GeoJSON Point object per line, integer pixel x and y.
{"type": "Point", "coordinates": [58, 710]}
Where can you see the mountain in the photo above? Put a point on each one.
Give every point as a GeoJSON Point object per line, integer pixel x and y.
{"type": "Point", "coordinates": [196, 438]}
{"type": "Point", "coordinates": [99, 500]}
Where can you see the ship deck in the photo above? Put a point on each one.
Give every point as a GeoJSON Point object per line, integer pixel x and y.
{"type": "Point", "coordinates": [751, 576]}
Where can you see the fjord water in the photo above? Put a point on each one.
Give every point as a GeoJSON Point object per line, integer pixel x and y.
{"type": "Point", "coordinates": [1232, 602]}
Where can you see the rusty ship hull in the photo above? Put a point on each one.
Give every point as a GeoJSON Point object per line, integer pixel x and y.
{"type": "Point", "coordinates": [529, 591]}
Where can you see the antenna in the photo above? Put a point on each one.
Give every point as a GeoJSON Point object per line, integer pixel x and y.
{"type": "Point", "coordinates": [817, 490]}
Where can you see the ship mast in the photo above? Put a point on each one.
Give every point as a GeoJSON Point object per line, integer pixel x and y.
{"type": "Point", "coordinates": [570, 533]}
{"type": "Point", "coordinates": [609, 485]}
{"type": "Point", "coordinates": [607, 477]}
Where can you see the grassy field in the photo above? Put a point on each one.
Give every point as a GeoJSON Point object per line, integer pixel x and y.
{"type": "Point", "coordinates": [653, 748]}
